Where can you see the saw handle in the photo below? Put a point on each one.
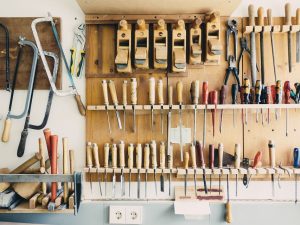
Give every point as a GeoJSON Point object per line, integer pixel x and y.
{"type": "Point", "coordinates": [251, 15]}
{"type": "Point", "coordinates": [80, 105]}
{"type": "Point", "coordinates": [260, 13]}
{"type": "Point", "coordinates": [6, 130]}
{"type": "Point", "coordinates": [288, 14]}
{"type": "Point", "coordinates": [160, 89]}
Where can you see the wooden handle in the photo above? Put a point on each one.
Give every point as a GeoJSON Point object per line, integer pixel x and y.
{"type": "Point", "coordinates": [124, 88]}
{"type": "Point", "coordinates": [42, 153]}
{"type": "Point", "coordinates": [179, 89]}
{"type": "Point", "coordinates": [106, 155]}
{"type": "Point", "coordinates": [6, 130]}
{"type": "Point", "coordinates": [89, 155]}
{"type": "Point", "coordinates": [298, 16]}
{"type": "Point", "coordinates": [146, 156]}
{"type": "Point", "coordinates": [251, 15]}
{"type": "Point", "coordinates": [133, 91]}
{"type": "Point", "coordinates": [221, 150]}
{"type": "Point", "coordinates": [199, 149]}
{"type": "Point", "coordinates": [270, 18]}
{"type": "Point", "coordinates": [47, 134]}
{"type": "Point", "coordinates": [170, 157]}
{"type": "Point", "coordinates": [228, 213]}
{"type": "Point", "coordinates": [160, 91]}
{"type": "Point", "coordinates": [237, 156]}
{"type": "Point", "coordinates": [288, 14]}
{"type": "Point", "coordinates": [138, 156]}
{"type": "Point", "coordinates": [153, 154]}
{"type": "Point", "coordinates": [122, 154]}
{"type": "Point", "coordinates": [72, 166]}
{"type": "Point", "coordinates": [205, 93]}
{"type": "Point", "coordinates": [141, 24]}
{"type": "Point", "coordinates": [193, 156]}
{"type": "Point", "coordinates": [80, 105]}
{"type": "Point", "coordinates": [272, 154]}
{"type": "Point", "coordinates": [123, 25]}
{"type": "Point", "coordinates": [170, 95]}
{"type": "Point", "coordinates": [65, 167]}
{"type": "Point", "coordinates": [186, 160]}
{"type": "Point", "coordinates": [195, 91]}
{"type": "Point", "coordinates": [257, 159]}
{"type": "Point", "coordinates": [114, 158]}
{"type": "Point", "coordinates": [96, 155]}
{"type": "Point", "coordinates": [162, 155]}
{"type": "Point", "coordinates": [211, 156]}
{"type": "Point", "coordinates": [53, 141]}
{"type": "Point", "coordinates": [161, 24]}
{"type": "Point", "coordinates": [112, 91]}
{"type": "Point", "coordinates": [130, 156]}
{"type": "Point", "coordinates": [105, 92]}
{"type": "Point", "coordinates": [260, 13]}
{"type": "Point", "coordinates": [28, 163]}
{"type": "Point", "coordinates": [152, 90]}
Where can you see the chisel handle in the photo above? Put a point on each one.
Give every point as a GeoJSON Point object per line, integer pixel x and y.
{"type": "Point", "coordinates": [270, 18]}
{"type": "Point", "coordinates": [105, 92]}
{"type": "Point", "coordinates": [269, 99]}
{"type": "Point", "coordinates": [65, 155]}
{"type": "Point", "coordinates": [80, 104]}
{"type": "Point", "coordinates": [130, 156]}
{"type": "Point", "coordinates": [211, 155]}
{"type": "Point", "coordinates": [133, 91]}
{"type": "Point", "coordinates": [287, 92]}
{"type": "Point", "coordinates": [89, 156]}
{"type": "Point", "coordinates": [6, 130]}
{"type": "Point", "coordinates": [124, 89]}
{"type": "Point", "coordinates": [42, 153]}
{"type": "Point", "coordinates": [114, 158]}
{"type": "Point", "coordinates": [257, 159]}
{"type": "Point", "coordinates": [138, 156]}
{"type": "Point", "coordinates": [47, 134]}
{"type": "Point", "coordinates": [220, 153]}
{"type": "Point", "coordinates": [152, 90]}
{"type": "Point", "coordinates": [160, 91]}
{"type": "Point", "coordinates": [251, 15]}
{"type": "Point", "coordinates": [298, 16]}
{"type": "Point", "coordinates": [257, 89]}
{"type": "Point", "coordinates": [106, 155]}
{"type": "Point", "coordinates": [234, 91]}
{"type": "Point", "coordinates": [146, 156]}
{"type": "Point", "coordinates": [288, 14]}
{"type": "Point", "coordinates": [260, 13]}
{"type": "Point", "coordinates": [162, 155]}
{"type": "Point", "coordinates": [96, 155]}
{"type": "Point", "coordinates": [278, 92]}
{"type": "Point", "coordinates": [223, 92]}
{"type": "Point", "coordinates": [195, 92]}
{"type": "Point", "coordinates": [296, 158]}
{"type": "Point", "coordinates": [179, 89]}
{"type": "Point", "coordinates": [153, 154]}
{"type": "Point", "coordinates": [170, 158]}
{"type": "Point", "coordinates": [193, 156]}
{"type": "Point", "coordinates": [186, 160]}
{"type": "Point", "coordinates": [112, 91]}
{"type": "Point", "coordinates": [199, 149]}
{"type": "Point", "coordinates": [228, 212]}
{"type": "Point", "coordinates": [205, 93]}
{"type": "Point", "coordinates": [237, 156]}
{"type": "Point", "coordinates": [122, 154]}
{"type": "Point", "coordinates": [54, 141]}
{"type": "Point", "coordinates": [272, 154]}
{"type": "Point", "coordinates": [170, 95]}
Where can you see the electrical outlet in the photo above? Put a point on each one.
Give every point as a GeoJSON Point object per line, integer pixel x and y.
{"type": "Point", "coordinates": [134, 214]}
{"type": "Point", "coordinates": [117, 214]}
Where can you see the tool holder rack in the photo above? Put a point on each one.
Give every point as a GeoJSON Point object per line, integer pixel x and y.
{"type": "Point", "coordinates": [75, 178]}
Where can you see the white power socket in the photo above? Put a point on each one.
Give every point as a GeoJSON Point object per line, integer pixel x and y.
{"type": "Point", "coordinates": [125, 214]}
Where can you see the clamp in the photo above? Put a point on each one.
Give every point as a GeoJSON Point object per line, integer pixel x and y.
{"type": "Point", "coordinates": [231, 30]}
{"type": "Point", "coordinates": [232, 68]}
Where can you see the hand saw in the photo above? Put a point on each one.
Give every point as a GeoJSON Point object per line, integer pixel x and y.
{"type": "Point", "coordinates": [73, 91]}
{"type": "Point", "coordinates": [78, 51]}
{"type": "Point", "coordinates": [7, 61]}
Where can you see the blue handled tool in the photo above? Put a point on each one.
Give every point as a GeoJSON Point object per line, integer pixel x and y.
{"type": "Point", "coordinates": [296, 165]}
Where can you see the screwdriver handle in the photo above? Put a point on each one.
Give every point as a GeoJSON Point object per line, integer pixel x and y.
{"type": "Point", "coordinates": [211, 156]}
{"type": "Point", "coordinates": [257, 159]}
{"type": "Point", "coordinates": [273, 93]}
{"type": "Point", "coordinates": [260, 13]}
{"type": "Point", "coordinates": [105, 92]}
{"type": "Point", "coordinates": [268, 95]}
{"type": "Point", "coordinates": [298, 16]}
{"type": "Point", "coordinates": [160, 92]}
{"type": "Point", "coordinates": [287, 92]}
{"type": "Point", "coordinates": [186, 160]}
{"type": "Point", "coordinates": [133, 91]}
{"type": "Point", "coordinates": [193, 156]}
{"type": "Point", "coordinates": [272, 154]}
{"type": "Point", "coordinates": [122, 154]}
{"type": "Point", "coordinates": [278, 90]}
{"type": "Point", "coordinates": [89, 155]}
{"type": "Point", "coordinates": [251, 15]}
{"type": "Point", "coordinates": [214, 97]}
{"type": "Point", "coordinates": [237, 156]}
{"type": "Point", "coordinates": [201, 154]}
{"type": "Point", "coordinates": [257, 91]}
{"type": "Point", "coordinates": [124, 89]}
{"type": "Point", "coordinates": [146, 156]}
{"type": "Point", "coordinates": [152, 90]}
{"type": "Point", "coordinates": [179, 89]}
{"type": "Point", "coordinates": [195, 92]}
{"type": "Point", "coordinates": [220, 152]}
{"type": "Point", "coordinates": [96, 155]}
{"type": "Point", "coordinates": [205, 93]}
{"type": "Point", "coordinates": [153, 154]}
{"type": "Point", "coordinates": [170, 95]}
{"type": "Point", "coordinates": [114, 159]}
{"type": "Point", "coordinates": [138, 156]}
{"type": "Point", "coordinates": [296, 158]}
{"type": "Point", "coordinates": [170, 157]}
{"type": "Point", "coordinates": [113, 93]}
{"type": "Point", "coordinates": [234, 91]}
{"type": "Point", "coordinates": [223, 94]}
{"type": "Point", "coordinates": [130, 156]}
{"type": "Point", "coordinates": [288, 14]}
{"type": "Point", "coordinates": [106, 155]}
{"type": "Point", "coordinates": [162, 155]}
{"type": "Point", "coordinates": [270, 18]}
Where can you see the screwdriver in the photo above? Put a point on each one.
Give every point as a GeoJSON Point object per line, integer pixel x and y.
{"type": "Point", "coordinates": [222, 101]}
{"type": "Point", "coordinates": [257, 95]}
{"type": "Point", "coordinates": [154, 162]}
{"type": "Point", "coordinates": [213, 100]}
{"type": "Point", "coordinates": [220, 152]}
{"type": "Point", "coordinates": [234, 91]}
{"type": "Point", "coordinates": [146, 166]}
{"type": "Point", "coordinates": [268, 100]}
{"type": "Point", "coordinates": [138, 158]}
{"type": "Point", "coordinates": [287, 96]}
{"type": "Point", "coordinates": [246, 95]}
{"type": "Point", "coordinates": [114, 167]}
{"type": "Point", "coordinates": [114, 97]}
{"type": "Point", "coordinates": [211, 162]}
{"type": "Point", "coordinates": [204, 102]}
{"type": "Point", "coordinates": [195, 98]}
{"type": "Point", "coordinates": [106, 158]}
{"type": "Point", "coordinates": [133, 98]}
{"type": "Point", "coordinates": [170, 101]}
{"type": "Point", "coordinates": [296, 165]}
{"type": "Point", "coordinates": [179, 87]}
{"type": "Point", "coordinates": [122, 166]}
{"type": "Point", "coordinates": [106, 102]}
{"type": "Point", "coordinates": [170, 167]}
{"type": "Point", "coordinates": [152, 98]}
{"type": "Point", "coordinates": [124, 101]}
{"type": "Point", "coordinates": [278, 96]}
{"type": "Point", "coordinates": [89, 161]}
{"type": "Point", "coordinates": [200, 150]}
{"type": "Point", "coordinates": [97, 164]}
{"type": "Point", "coordinates": [186, 167]}
{"type": "Point", "coordinates": [237, 162]}
{"type": "Point", "coordinates": [161, 102]}
{"type": "Point", "coordinates": [162, 164]}
{"type": "Point", "coordinates": [272, 158]}
{"type": "Point", "coordinates": [194, 166]}
{"type": "Point", "coordinates": [130, 164]}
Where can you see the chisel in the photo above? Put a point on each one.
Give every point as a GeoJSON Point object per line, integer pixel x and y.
{"type": "Point", "coordinates": [298, 36]}
{"type": "Point", "coordinates": [204, 102]}
{"type": "Point", "coordinates": [260, 13]}
{"type": "Point", "coordinates": [170, 167]}
{"type": "Point", "coordinates": [152, 98]}
{"type": "Point", "coordinates": [213, 99]}
{"type": "Point", "coordinates": [146, 166]}
{"type": "Point", "coordinates": [162, 165]}
{"type": "Point", "coordinates": [270, 23]}
{"type": "Point", "coordinates": [194, 166]}
{"type": "Point", "coordinates": [234, 91]}
{"type": "Point", "coordinates": [133, 98]}
{"type": "Point", "coordinates": [288, 22]}
{"type": "Point", "coordinates": [114, 97]}
{"type": "Point", "coordinates": [124, 101]}
{"type": "Point", "coordinates": [258, 89]}
{"type": "Point", "coordinates": [287, 96]}
{"type": "Point", "coordinates": [89, 162]}
{"type": "Point", "coordinates": [252, 44]}
{"type": "Point", "coordinates": [160, 89]}
{"type": "Point", "coordinates": [211, 158]}
{"type": "Point", "coordinates": [97, 164]}
{"type": "Point", "coordinates": [114, 160]}
{"type": "Point", "coordinates": [220, 153]}
{"type": "Point", "coordinates": [106, 102]}
{"type": "Point", "coordinates": [170, 102]}
{"type": "Point", "coordinates": [186, 167]}
{"type": "Point", "coordinates": [237, 163]}
{"type": "Point", "coordinates": [122, 166]}
{"type": "Point", "coordinates": [106, 158]}
{"type": "Point", "coordinates": [200, 150]}
{"type": "Point", "coordinates": [138, 158]}
{"type": "Point", "coordinates": [130, 164]}
{"type": "Point", "coordinates": [66, 168]}
{"type": "Point", "coordinates": [296, 165]}
{"type": "Point", "coordinates": [222, 101]}
{"type": "Point", "coordinates": [272, 159]}
{"type": "Point", "coordinates": [228, 216]}
{"type": "Point", "coordinates": [179, 87]}
{"type": "Point", "coordinates": [195, 98]}
{"type": "Point", "coordinates": [154, 162]}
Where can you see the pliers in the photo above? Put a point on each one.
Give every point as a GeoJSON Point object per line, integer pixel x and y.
{"type": "Point", "coordinates": [231, 29]}
{"type": "Point", "coordinates": [232, 68]}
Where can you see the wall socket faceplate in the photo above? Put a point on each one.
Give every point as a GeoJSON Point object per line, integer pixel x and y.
{"type": "Point", "coordinates": [125, 214]}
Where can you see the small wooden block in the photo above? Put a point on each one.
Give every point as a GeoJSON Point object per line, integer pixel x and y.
{"type": "Point", "coordinates": [179, 55]}
{"type": "Point", "coordinates": [234, 171]}
{"type": "Point", "coordinates": [258, 29]}
{"type": "Point", "coordinates": [276, 28]}
{"type": "Point", "coordinates": [161, 52]}
{"type": "Point", "coordinates": [285, 28]}
{"type": "Point", "coordinates": [252, 171]}
{"type": "Point", "coordinates": [141, 53]}
{"type": "Point", "coordinates": [270, 170]}
{"type": "Point", "coordinates": [243, 171]}
{"type": "Point", "coordinates": [71, 201]}
{"type": "Point", "coordinates": [226, 171]}
{"type": "Point", "coordinates": [33, 201]}
{"type": "Point", "coordinates": [295, 28]}
{"type": "Point", "coordinates": [267, 29]}
{"type": "Point", "coordinates": [248, 29]}
{"type": "Point", "coordinates": [261, 171]}
{"type": "Point", "coordinates": [122, 56]}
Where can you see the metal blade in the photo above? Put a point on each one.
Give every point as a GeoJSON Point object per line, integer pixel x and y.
{"type": "Point", "coordinates": [114, 184]}
{"type": "Point", "coordinates": [99, 181]}
{"type": "Point", "coordinates": [161, 120]}
{"type": "Point", "coordinates": [195, 183]}
{"type": "Point", "coordinates": [139, 184]}
{"type": "Point", "coordinates": [162, 183]}
{"type": "Point", "coordinates": [118, 118]}
{"type": "Point", "coordinates": [155, 183]}
{"type": "Point", "coordinates": [146, 184]}
{"type": "Point", "coordinates": [129, 182]}
{"type": "Point", "coordinates": [124, 119]}
{"type": "Point", "coordinates": [134, 128]}
{"type": "Point", "coordinates": [170, 183]}
{"type": "Point", "coordinates": [204, 181]}
{"type": "Point", "coordinates": [185, 184]}
{"type": "Point", "coordinates": [108, 121]}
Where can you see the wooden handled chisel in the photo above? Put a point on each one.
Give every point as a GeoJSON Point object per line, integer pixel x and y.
{"type": "Point", "coordinates": [195, 98]}
{"type": "Point", "coordinates": [179, 89]}
{"type": "Point", "coordinates": [186, 167]}
{"type": "Point", "coordinates": [200, 150]}
{"type": "Point", "coordinates": [124, 101]}
{"type": "Point", "coordinates": [146, 166]}
{"type": "Point", "coordinates": [154, 161]}
{"type": "Point", "coordinates": [97, 164]}
{"type": "Point", "coordinates": [288, 22]}
{"type": "Point", "coordinates": [170, 102]}
{"type": "Point", "coordinates": [204, 102]}
{"type": "Point", "coordinates": [106, 102]}
{"type": "Point", "coordinates": [152, 98]}
{"type": "Point", "coordinates": [160, 89]}
{"type": "Point", "coordinates": [211, 159]}
{"type": "Point", "coordinates": [252, 44]}
{"type": "Point", "coordinates": [133, 98]}
{"type": "Point", "coordinates": [130, 164]}
{"type": "Point", "coordinates": [114, 97]}
{"type": "Point", "coordinates": [220, 154]}
{"type": "Point", "coordinates": [114, 161]}
{"type": "Point", "coordinates": [270, 23]}
{"type": "Point", "coordinates": [138, 158]}
{"type": "Point", "coordinates": [105, 165]}
{"type": "Point", "coordinates": [122, 166]}
{"type": "Point", "coordinates": [261, 22]}
{"type": "Point", "coordinates": [162, 165]}
{"type": "Point", "coordinates": [89, 162]}
{"type": "Point", "coordinates": [194, 166]}
{"type": "Point", "coordinates": [65, 168]}
{"type": "Point", "coordinates": [237, 163]}
{"type": "Point", "coordinates": [170, 167]}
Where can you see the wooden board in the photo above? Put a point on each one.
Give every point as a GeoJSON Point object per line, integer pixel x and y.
{"type": "Point", "coordinates": [22, 27]}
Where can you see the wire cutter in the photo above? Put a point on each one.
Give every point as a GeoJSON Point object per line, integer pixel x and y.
{"type": "Point", "coordinates": [231, 30]}
{"type": "Point", "coordinates": [232, 68]}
